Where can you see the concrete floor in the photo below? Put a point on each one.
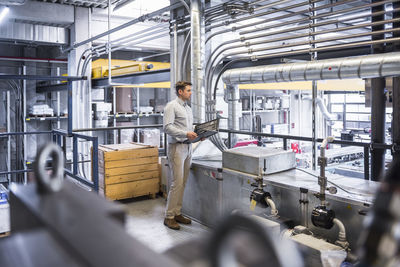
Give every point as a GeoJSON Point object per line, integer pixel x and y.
{"type": "Point", "coordinates": [145, 223]}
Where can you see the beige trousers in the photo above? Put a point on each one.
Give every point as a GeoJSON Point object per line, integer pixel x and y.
{"type": "Point", "coordinates": [179, 159]}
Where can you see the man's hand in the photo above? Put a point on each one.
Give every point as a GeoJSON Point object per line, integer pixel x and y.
{"type": "Point", "coordinates": [191, 135]}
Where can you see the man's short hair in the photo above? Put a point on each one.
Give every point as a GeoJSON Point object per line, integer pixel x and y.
{"type": "Point", "coordinates": [181, 86]}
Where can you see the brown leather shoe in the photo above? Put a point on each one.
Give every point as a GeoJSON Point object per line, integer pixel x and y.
{"type": "Point", "coordinates": [181, 219]}
{"type": "Point", "coordinates": [171, 223]}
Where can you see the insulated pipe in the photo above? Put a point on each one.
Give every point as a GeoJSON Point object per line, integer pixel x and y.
{"type": "Point", "coordinates": [271, 203]}
{"type": "Point", "coordinates": [211, 62]}
{"type": "Point", "coordinates": [369, 66]}
{"type": "Point", "coordinates": [322, 107]}
{"type": "Point", "coordinates": [197, 59]}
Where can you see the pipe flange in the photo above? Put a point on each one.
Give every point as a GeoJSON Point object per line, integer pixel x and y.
{"type": "Point", "coordinates": [48, 183]}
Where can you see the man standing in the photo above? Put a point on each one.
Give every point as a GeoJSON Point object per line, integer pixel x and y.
{"type": "Point", "coordinates": [178, 124]}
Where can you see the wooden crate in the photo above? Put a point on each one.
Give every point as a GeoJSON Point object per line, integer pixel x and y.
{"type": "Point", "coordinates": [128, 170]}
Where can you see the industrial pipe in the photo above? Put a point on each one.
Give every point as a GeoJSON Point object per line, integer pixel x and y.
{"type": "Point", "coordinates": [304, 206]}
{"type": "Point", "coordinates": [132, 22]}
{"type": "Point", "coordinates": [325, 143]}
{"type": "Point", "coordinates": [271, 203]}
{"type": "Point", "coordinates": [369, 66]}
{"type": "Point", "coordinates": [322, 107]}
{"type": "Point", "coordinates": [197, 59]}
{"type": "Point", "coordinates": [322, 180]}
{"type": "Point", "coordinates": [232, 97]}
{"type": "Point", "coordinates": [342, 240]}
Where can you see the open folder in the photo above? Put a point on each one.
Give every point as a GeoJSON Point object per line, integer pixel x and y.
{"type": "Point", "coordinates": [204, 130]}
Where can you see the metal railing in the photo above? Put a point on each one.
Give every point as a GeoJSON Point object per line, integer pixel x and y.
{"type": "Point", "coordinates": [59, 137]}
{"type": "Point", "coordinates": [367, 146]}
{"type": "Point", "coordinates": [120, 128]}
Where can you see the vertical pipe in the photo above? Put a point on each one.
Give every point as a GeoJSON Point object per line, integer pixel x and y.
{"type": "Point", "coordinates": [70, 108]}
{"type": "Point", "coordinates": [74, 155]}
{"type": "Point", "coordinates": [165, 144]}
{"type": "Point", "coordinates": [344, 113]}
{"type": "Point", "coordinates": [114, 106]}
{"type": "Point", "coordinates": [58, 102]}
{"type": "Point", "coordinates": [251, 110]}
{"type": "Point", "coordinates": [314, 87]}
{"type": "Point", "coordinates": [377, 103]}
{"type": "Point", "coordinates": [64, 148]}
{"type": "Point", "coordinates": [95, 164]}
{"type": "Point", "coordinates": [138, 104]}
{"type": "Point", "coordinates": [9, 137]}
{"type": "Point", "coordinates": [229, 140]}
{"type": "Point", "coordinates": [314, 142]}
{"type": "Point", "coordinates": [233, 97]}
{"type": "Point", "coordinates": [304, 206]}
{"type": "Point", "coordinates": [24, 126]}
{"type": "Point", "coordinates": [366, 163]}
{"type": "Point", "coordinates": [109, 42]}
{"type": "Point", "coordinates": [175, 51]}
{"type": "Point", "coordinates": [396, 91]}
{"type": "Point", "coordinates": [197, 59]}
{"type": "Point", "coordinates": [59, 140]}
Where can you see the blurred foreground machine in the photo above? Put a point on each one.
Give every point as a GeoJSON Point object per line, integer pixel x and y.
{"type": "Point", "coordinates": [57, 223]}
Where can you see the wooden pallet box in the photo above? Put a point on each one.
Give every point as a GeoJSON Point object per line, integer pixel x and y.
{"type": "Point", "coordinates": [128, 170]}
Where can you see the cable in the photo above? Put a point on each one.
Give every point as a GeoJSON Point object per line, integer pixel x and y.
{"type": "Point", "coordinates": [347, 191]}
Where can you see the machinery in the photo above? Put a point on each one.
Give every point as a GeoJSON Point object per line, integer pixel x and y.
{"type": "Point", "coordinates": [321, 215]}
{"type": "Point", "coordinates": [56, 223]}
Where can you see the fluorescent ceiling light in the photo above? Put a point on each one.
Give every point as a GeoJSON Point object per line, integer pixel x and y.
{"type": "Point", "coordinates": [4, 13]}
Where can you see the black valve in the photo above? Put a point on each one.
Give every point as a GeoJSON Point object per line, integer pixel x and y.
{"type": "Point", "coordinates": [322, 217]}
{"type": "Point", "coordinates": [259, 196]}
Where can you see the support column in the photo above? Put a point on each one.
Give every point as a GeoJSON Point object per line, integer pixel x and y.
{"type": "Point", "coordinates": [80, 31]}
{"type": "Point", "coordinates": [396, 91]}
{"type": "Point", "coordinates": [377, 104]}
{"type": "Point", "coordinates": [81, 90]}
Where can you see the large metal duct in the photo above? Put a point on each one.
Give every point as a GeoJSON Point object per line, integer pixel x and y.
{"type": "Point", "coordinates": [370, 66]}
{"type": "Point", "coordinates": [197, 59]}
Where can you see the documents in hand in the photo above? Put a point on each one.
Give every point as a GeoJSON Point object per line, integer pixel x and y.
{"type": "Point", "coordinates": [204, 130]}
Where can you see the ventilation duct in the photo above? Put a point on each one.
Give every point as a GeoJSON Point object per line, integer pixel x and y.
{"type": "Point", "coordinates": [197, 59]}
{"type": "Point", "coordinates": [34, 33]}
{"type": "Point", "coordinates": [370, 66]}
